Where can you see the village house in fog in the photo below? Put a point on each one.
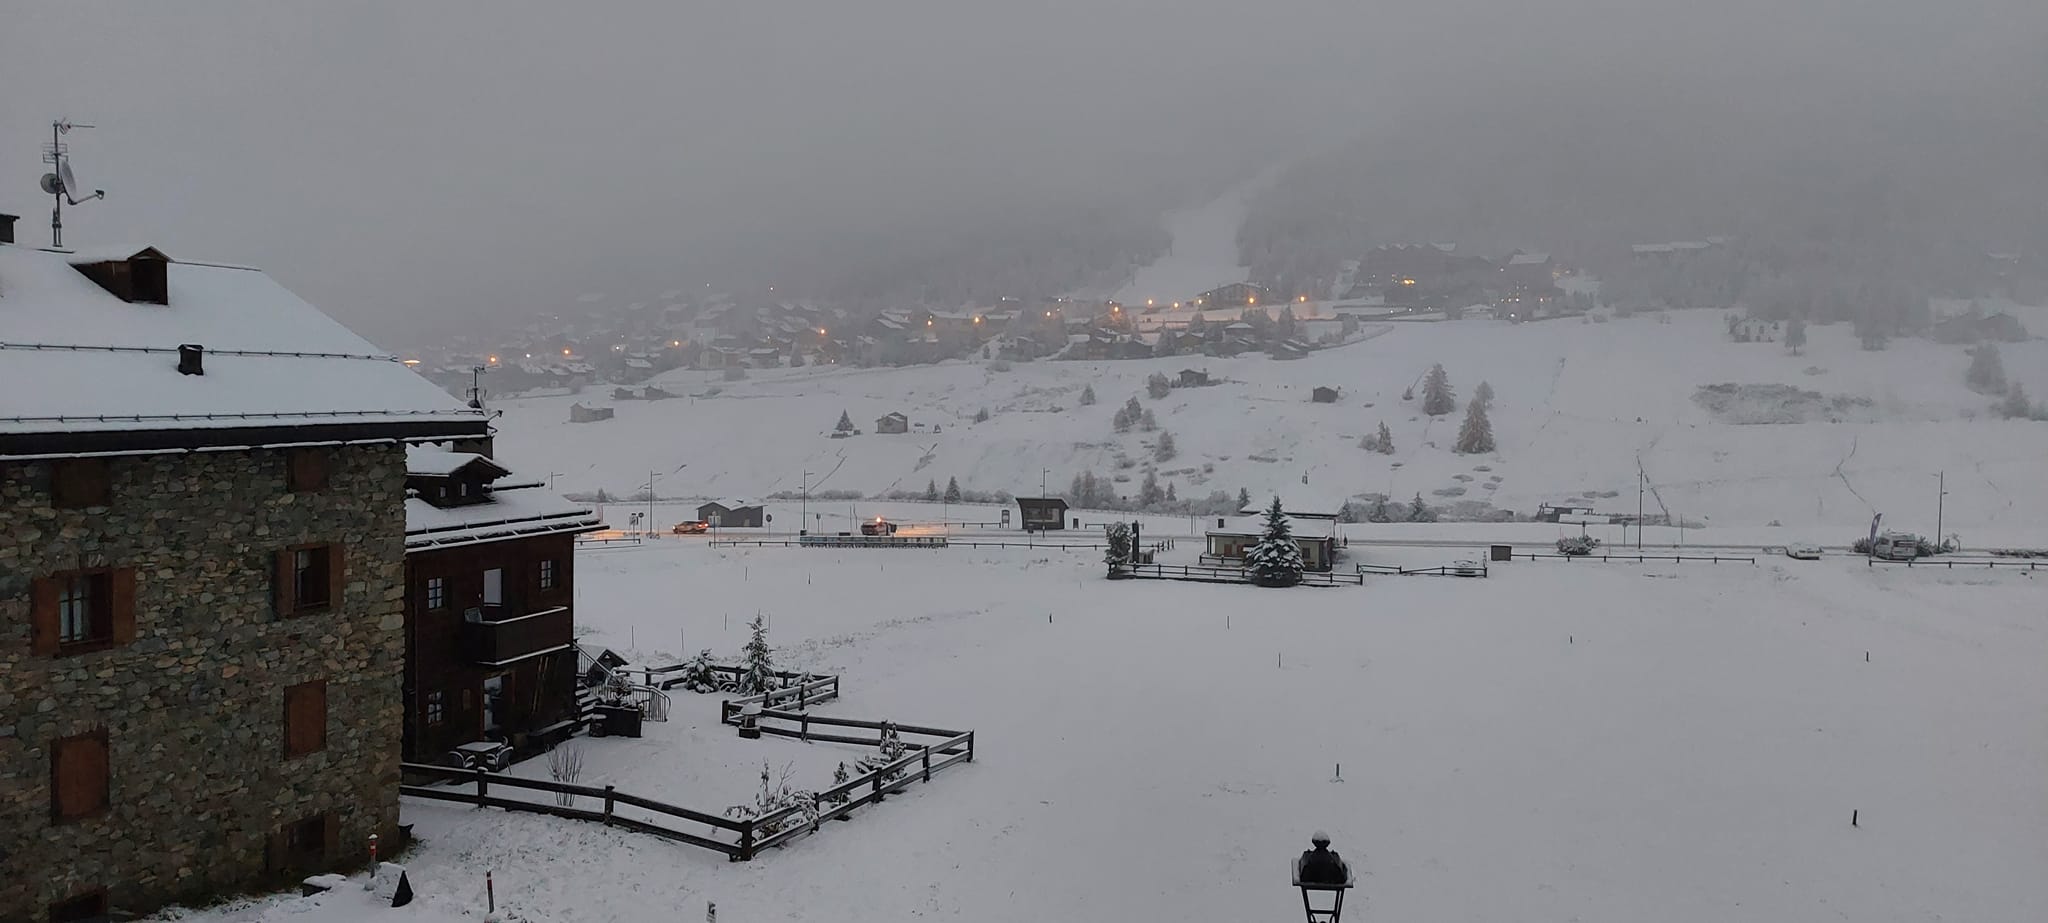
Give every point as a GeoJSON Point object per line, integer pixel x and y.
{"type": "Point", "coordinates": [203, 510]}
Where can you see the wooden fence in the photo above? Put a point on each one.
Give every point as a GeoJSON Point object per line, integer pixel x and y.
{"type": "Point", "coordinates": [1198, 573]}
{"type": "Point", "coordinates": [1951, 564]}
{"type": "Point", "coordinates": [738, 840]}
{"type": "Point", "coordinates": [936, 542]}
{"type": "Point", "coordinates": [1637, 558]}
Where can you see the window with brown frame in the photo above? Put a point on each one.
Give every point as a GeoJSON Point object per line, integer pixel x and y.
{"type": "Point", "coordinates": [547, 574]}
{"type": "Point", "coordinates": [77, 612]}
{"type": "Point", "coordinates": [305, 718]}
{"type": "Point", "coordinates": [80, 908]}
{"type": "Point", "coordinates": [437, 708]}
{"type": "Point", "coordinates": [309, 579]}
{"type": "Point", "coordinates": [305, 469]}
{"type": "Point", "coordinates": [437, 594]}
{"type": "Point", "coordinates": [78, 777]}
{"type": "Point", "coordinates": [77, 483]}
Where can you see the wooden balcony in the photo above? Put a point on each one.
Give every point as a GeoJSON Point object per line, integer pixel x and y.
{"type": "Point", "coordinates": [494, 641]}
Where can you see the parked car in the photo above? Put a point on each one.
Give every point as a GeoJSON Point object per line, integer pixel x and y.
{"type": "Point", "coordinates": [1803, 552]}
{"type": "Point", "coordinates": [1467, 569]}
{"type": "Point", "coordinates": [691, 527]}
{"type": "Point", "coordinates": [1896, 546]}
{"type": "Point", "coordinates": [879, 526]}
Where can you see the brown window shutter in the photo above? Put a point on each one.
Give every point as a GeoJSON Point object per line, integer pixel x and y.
{"type": "Point", "coordinates": [337, 574]}
{"type": "Point", "coordinates": [43, 594]}
{"type": "Point", "coordinates": [331, 849]}
{"type": "Point", "coordinates": [281, 582]}
{"type": "Point", "coordinates": [122, 581]}
{"type": "Point", "coordinates": [78, 776]}
{"type": "Point", "coordinates": [305, 718]}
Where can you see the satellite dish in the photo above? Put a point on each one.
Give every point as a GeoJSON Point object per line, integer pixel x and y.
{"type": "Point", "coordinates": [51, 184]}
{"type": "Point", "coordinates": [66, 179]}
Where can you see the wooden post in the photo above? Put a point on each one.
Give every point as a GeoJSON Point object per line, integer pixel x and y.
{"type": "Point", "coordinates": [483, 786]}
{"type": "Point", "coordinates": [746, 842]}
{"type": "Point", "coordinates": [970, 746]}
{"type": "Point", "coordinates": [807, 728]}
{"type": "Point", "coordinates": [878, 787]}
{"type": "Point", "coordinates": [608, 805]}
{"type": "Point", "coordinates": [927, 764]}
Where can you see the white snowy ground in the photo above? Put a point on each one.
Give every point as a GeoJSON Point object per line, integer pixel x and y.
{"type": "Point", "coordinates": [1569, 398]}
{"type": "Point", "coordinates": [1557, 742]}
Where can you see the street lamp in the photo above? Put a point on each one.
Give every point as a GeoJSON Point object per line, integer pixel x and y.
{"type": "Point", "coordinates": [1941, 493]}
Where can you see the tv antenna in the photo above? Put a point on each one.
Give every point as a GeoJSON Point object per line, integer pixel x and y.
{"type": "Point", "coordinates": [60, 183]}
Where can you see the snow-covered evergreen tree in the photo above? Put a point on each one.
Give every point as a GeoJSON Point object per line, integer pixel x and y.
{"type": "Point", "coordinates": [1149, 493]}
{"type": "Point", "coordinates": [1087, 395]}
{"type": "Point", "coordinates": [1171, 496]}
{"type": "Point", "coordinates": [1147, 422]}
{"type": "Point", "coordinates": [1118, 553]}
{"type": "Point", "coordinates": [952, 490]}
{"type": "Point", "coordinates": [1164, 450]}
{"type": "Point", "coordinates": [931, 491]}
{"type": "Point", "coordinates": [1484, 395]}
{"type": "Point", "coordinates": [1379, 512]}
{"type": "Point", "coordinates": [1795, 335]}
{"type": "Point", "coordinates": [845, 423]}
{"type": "Point", "coordinates": [1475, 435]}
{"type": "Point", "coordinates": [1157, 385]}
{"type": "Point", "coordinates": [1420, 511]}
{"type": "Point", "coordinates": [2016, 406]}
{"type": "Point", "coordinates": [981, 416]}
{"type": "Point", "coordinates": [1275, 560]}
{"type": "Point", "coordinates": [758, 659]}
{"type": "Point", "coordinates": [1244, 498]}
{"type": "Point", "coordinates": [1437, 397]}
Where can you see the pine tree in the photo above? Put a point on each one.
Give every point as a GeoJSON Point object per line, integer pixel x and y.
{"type": "Point", "coordinates": [1420, 511]}
{"type": "Point", "coordinates": [759, 659]}
{"type": "Point", "coordinates": [1484, 394]}
{"type": "Point", "coordinates": [1475, 435]}
{"type": "Point", "coordinates": [1795, 335]}
{"type": "Point", "coordinates": [1076, 494]}
{"type": "Point", "coordinates": [1385, 439]}
{"type": "Point", "coordinates": [1276, 560]}
{"type": "Point", "coordinates": [1379, 512]}
{"type": "Point", "coordinates": [1149, 494]}
{"type": "Point", "coordinates": [981, 416]}
{"type": "Point", "coordinates": [845, 423]}
{"type": "Point", "coordinates": [1118, 553]}
{"type": "Point", "coordinates": [1987, 371]}
{"type": "Point", "coordinates": [1437, 397]}
{"type": "Point", "coordinates": [1147, 421]}
{"type": "Point", "coordinates": [952, 490]}
{"type": "Point", "coordinates": [2016, 406]}
{"type": "Point", "coordinates": [1165, 450]}
{"type": "Point", "coordinates": [1157, 385]}
{"type": "Point", "coordinates": [1171, 496]}
{"type": "Point", "coordinates": [1285, 328]}
{"type": "Point", "coordinates": [931, 491]}
{"type": "Point", "coordinates": [1088, 396]}
{"type": "Point", "coordinates": [1244, 499]}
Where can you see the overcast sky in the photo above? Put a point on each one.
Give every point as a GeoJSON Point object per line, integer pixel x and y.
{"type": "Point", "coordinates": [403, 163]}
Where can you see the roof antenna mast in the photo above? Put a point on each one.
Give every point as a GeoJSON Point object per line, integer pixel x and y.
{"type": "Point", "coordinates": [60, 183]}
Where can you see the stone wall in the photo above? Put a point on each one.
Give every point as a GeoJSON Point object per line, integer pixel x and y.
{"type": "Point", "coordinates": [194, 706]}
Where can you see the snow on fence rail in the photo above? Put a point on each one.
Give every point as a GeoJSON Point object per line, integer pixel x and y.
{"type": "Point", "coordinates": [739, 840]}
{"type": "Point", "coordinates": [1950, 564]}
{"type": "Point", "coordinates": [1198, 573]}
{"type": "Point", "coordinates": [878, 541]}
{"type": "Point", "coordinates": [1636, 558]}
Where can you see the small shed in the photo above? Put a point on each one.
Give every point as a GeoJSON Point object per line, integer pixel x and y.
{"type": "Point", "coordinates": [581, 414]}
{"type": "Point", "coordinates": [1041, 514]}
{"type": "Point", "coordinates": [892, 423]}
{"type": "Point", "coordinates": [1190, 378]}
{"type": "Point", "coordinates": [733, 514]}
{"type": "Point", "coordinates": [1323, 395]}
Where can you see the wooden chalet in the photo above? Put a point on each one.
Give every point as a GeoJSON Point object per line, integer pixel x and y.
{"type": "Point", "coordinates": [1042, 514]}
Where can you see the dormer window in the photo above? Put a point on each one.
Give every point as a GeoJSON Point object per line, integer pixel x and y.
{"type": "Point", "coordinates": [141, 278]}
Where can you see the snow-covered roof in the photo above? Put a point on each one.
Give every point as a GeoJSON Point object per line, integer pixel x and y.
{"type": "Point", "coordinates": [509, 513]}
{"type": "Point", "coordinates": [429, 461]}
{"type": "Point", "coordinates": [1313, 529]}
{"type": "Point", "coordinates": [1528, 259]}
{"type": "Point", "coordinates": [734, 503]}
{"type": "Point", "coordinates": [1651, 248]}
{"type": "Point", "coordinates": [75, 361]}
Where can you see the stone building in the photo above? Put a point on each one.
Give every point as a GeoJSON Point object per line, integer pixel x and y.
{"type": "Point", "coordinates": [202, 541]}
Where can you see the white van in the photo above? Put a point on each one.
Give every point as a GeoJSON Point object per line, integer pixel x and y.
{"type": "Point", "coordinates": [1896, 546]}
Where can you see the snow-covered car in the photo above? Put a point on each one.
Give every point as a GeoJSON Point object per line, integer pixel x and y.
{"type": "Point", "coordinates": [691, 527]}
{"type": "Point", "coordinates": [879, 526]}
{"type": "Point", "coordinates": [1467, 569]}
{"type": "Point", "coordinates": [1803, 552]}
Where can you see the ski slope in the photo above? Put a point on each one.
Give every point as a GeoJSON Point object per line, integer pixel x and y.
{"type": "Point", "coordinates": [1600, 743]}
{"type": "Point", "coordinates": [1580, 407]}
{"type": "Point", "coordinates": [1204, 253]}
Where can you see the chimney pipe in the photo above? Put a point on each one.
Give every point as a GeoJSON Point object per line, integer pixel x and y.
{"type": "Point", "coordinates": [7, 229]}
{"type": "Point", "coordinates": [190, 356]}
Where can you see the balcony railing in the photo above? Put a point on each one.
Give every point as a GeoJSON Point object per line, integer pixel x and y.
{"type": "Point", "coordinates": [496, 641]}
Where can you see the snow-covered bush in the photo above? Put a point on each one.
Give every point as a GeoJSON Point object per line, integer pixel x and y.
{"type": "Point", "coordinates": [1577, 545]}
{"type": "Point", "coordinates": [1437, 397]}
{"type": "Point", "coordinates": [1118, 555]}
{"type": "Point", "coordinates": [776, 795]}
{"type": "Point", "coordinates": [1157, 385]}
{"type": "Point", "coordinates": [888, 750]}
{"type": "Point", "coordinates": [697, 674]}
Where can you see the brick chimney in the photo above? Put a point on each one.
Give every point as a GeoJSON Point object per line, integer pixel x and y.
{"type": "Point", "coordinates": [7, 229]}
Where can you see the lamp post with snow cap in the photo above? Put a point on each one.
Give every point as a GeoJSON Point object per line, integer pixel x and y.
{"type": "Point", "coordinates": [1320, 869]}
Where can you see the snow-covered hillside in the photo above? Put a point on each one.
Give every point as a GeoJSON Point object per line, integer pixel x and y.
{"type": "Point", "coordinates": [1578, 404]}
{"type": "Point", "coordinates": [1204, 253]}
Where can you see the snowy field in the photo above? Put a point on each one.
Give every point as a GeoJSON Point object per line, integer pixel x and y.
{"type": "Point", "coordinates": [1558, 742]}
{"type": "Point", "coordinates": [1580, 405]}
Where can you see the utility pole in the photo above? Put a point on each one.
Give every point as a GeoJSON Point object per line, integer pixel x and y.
{"type": "Point", "coordinates": [1941, 494]}
{"type": "Point", "coordinates": [1042, 472]}
{"type": "Point", "coordinates": [1639, 508]}
{"type": "Point", "coordinates": [650, 500]}
{"type": "Point", "coordinates": [552, 475]}
{"type": "Point", "coordinates": [803, 520]}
